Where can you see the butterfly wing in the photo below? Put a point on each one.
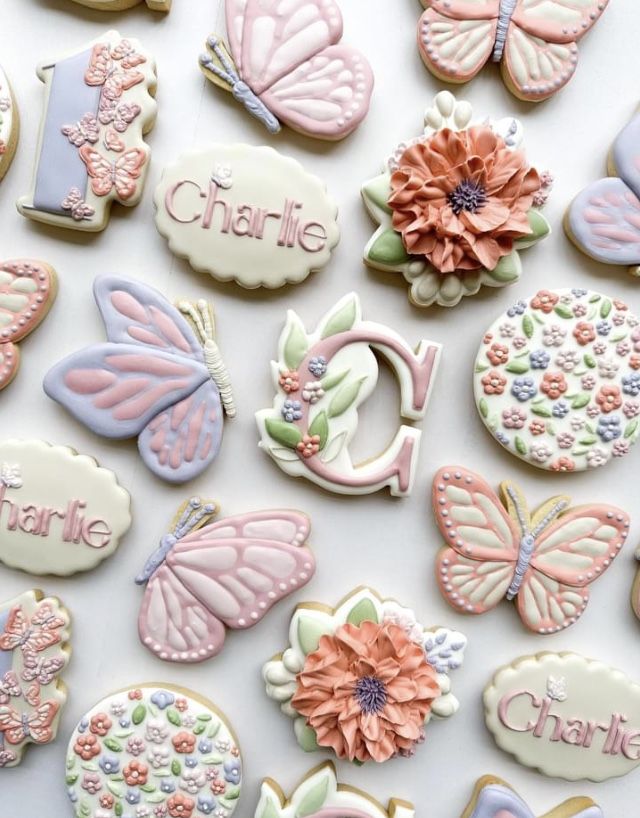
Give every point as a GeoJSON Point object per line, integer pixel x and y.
{"type": "Point", "coordinates": [15, 629]}
{"type": "Point", "coordinates": [476, 568]}
{"type": "Point", "coordinates": [327, 95]}
{"type": "Point", "coordinates": [47, 618]}
{"type": "Point", "coordinates": [128, 169]}
{"type": "Point", "coordinates": [99, 65]}
{"type": "Point", "coordinates": [11, 725]}
{"type": "Point", "coordinates": [41, 720]}
{"type": "Point", "coordinates": [558, 21]}
{"type": "Point", "coordinates": [10, 686]}
{"type": "Point", "coordinates": [499, 801]}
{"type": "Point", "coordinates": [456, 39]}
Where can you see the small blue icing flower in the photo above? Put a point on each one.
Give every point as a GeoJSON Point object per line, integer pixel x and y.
{"type": "Point", "coordinates": [73, 795]}
{"type": "Point", "coordinates": [124, 723]}
{"type": "Point", "coordinates": [206, 804]}
{"type": "Point", "coordinates": [292, 410]}
{"type": "Point", "coordinates": [83, 725]}
{"type": "Point", "coordinates": [631, 384]}
{"type": "Point", "coordinates": [318, 366]}
{"type": "Point", "coordinates": [578, 292]}
{"type": "Point", "coordinates": [560, 409]}
{"type": "Point", "coordinates": [132, 796]}
{"type": "Point", "coordinates": [539, 359]}
{"type": "Point", "coordinates": [232, 771]}
{"type": "Point", "coordinates": [523, 388]}
{"type": "Point", "coordinates": [609, 428]}
{"type": "Point", "coordinates": [205, 746]}
{"type": "Point", "coordinates": [603, 327]}
{"type": "Point", "coordinates": [109, 764]}
{"type": "Point", "coordinates": [518, 309]}
{"type": "Point", "coordinates": [167, 785]}
{"type": "Point", "coordinates": [502, 438]}
{"type": "Point", "coordinates": [162, 699]}
{"type": "Point", "coordinates": [190, 761]}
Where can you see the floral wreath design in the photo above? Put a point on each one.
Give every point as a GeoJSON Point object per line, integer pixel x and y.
{"type": "Point", "coordinates": [333, 679]}
{"type": "Point", "coordinates": [153, 752]}
{"type": "Point", "coordinates": [557, 379]}
{"type": "Point", "coordinates": [455, 206]}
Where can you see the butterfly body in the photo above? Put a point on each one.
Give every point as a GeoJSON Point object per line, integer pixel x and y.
{"type": "Point", "coordinates": [497, 549]}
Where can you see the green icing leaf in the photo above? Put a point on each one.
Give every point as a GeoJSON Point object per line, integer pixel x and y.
{"type": "Point", "coordinates": [85, 809]}
{"type": "Point", "coordinates": [232, 794]}
{"type": "Point", "coordinates": [345, 398]}
{"type": "Point", "coordinates": [148, 788]}
{"type": "Point", "coordinates": [309, 633]}
{"type": "Point", "coordinates": [119, 808]}
{"type": "Point", "coordinates": [71, 762]}
{"type": "Point", "coordinates": [212, 760]}
{"type": "Point", "coordinates": [214, 729]}
{"type": "Point", "coordinates": [174, 717]}
{"type": "Point", "coordinates": [320, 426]}
{"type": "Point", "coordinates": [342, 320]}
{"type": "Point", "coordinates": [521, 446]}
{"type": "Point", "coordinates": [378, 191]}
{"type": "Point", "coordinates": [137, 717]}
{"type": "Point", "coordinates": [270, 810]}
{"type": "Point", "coordinates": [116, 789]}
{"type": "Point", "coordinates": [155, 798]}
{"type": "Point", "coordinates": [508, 269]}
{"type": "Point", "coordinates": [388, 249]}
{"type": "Point", "coordinates": [204, 717]}
{"type": "Point", "coordinates": [314, 799]}
{"type": "Point", "coordinates": [176, 767]}
{"type": "Point", "coordinates": [517, 367]}
{"type": "Point", "coordinates": [307, 739]}
{"type": "Point", "coordinates": [588, 441]}
{"type": "Point", "coordinates": [330, 381]}
{"type": "Point", "coordinates": [284, 433]}
{"type": "Point", "coordinates": [113, 745]}
{"type": "Point", "coordinates": [527, 326]}
{"type": "Point", "coordinates": [363, 611]}
{"type": "Point", "coordinates": [594, 298]}
{"type": "Point", "coordinates": [631, 429]}
{"type": "Point", "coordinates": [605, 308]}
{"type": "Point", "coordinates": [563, 311]}
{"type": "Point", "coordinates": [581, 400]}
{"type": "Point", "coordinates": [590, 361]}
{"type": "Point", "coordinates": [483, 406]}
{"type": "Point", "coordinates": [541, 410]}
{"type": "Point", "coordinates": [71, 779]}
{"type": "Point", "coordinates": [295, 347]}
{"type": "Point", "coordinates": [198, 729]}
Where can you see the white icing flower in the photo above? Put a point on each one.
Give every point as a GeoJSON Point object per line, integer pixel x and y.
{"type": "Point", "coordinates": [607, 367]}
{"type": "Point", "coordinates": [404, 618]}
{"type": "Point", "coordinates": [312, 391]}
{"type": "Point", "coordinates": [222, 176]}
{"type": "Point", "coordinates": [223, 746]}
{"type": "Point", "coordinates": [157, 731]}
{"type": "Point", "coordinates": [118, 708]}
{"type": "Point", "coordinates": [193, 781]}
{"type": "Point", "coordinates": [540, 452]}
{"type": "Point", "coordinates": [188, 720]}
{"type": "Point", "coordinates": [567, 360]}
{"type": "Point", "coordinates": [596, 457]}
{"type": "Point", "coordinates": [159, 757]}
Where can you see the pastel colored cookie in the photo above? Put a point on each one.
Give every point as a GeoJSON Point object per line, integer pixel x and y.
{"type": "Point", "coordinates": [319, 794]}
{"type": "Point", "coordinates": [494, 798]}
{"type": "Point", "coordinates": [206, 575]}
{"type": "Point", "coordinates": [635, 594]}
{"type": "Point", "coordinates": [543, 560]}
{"type": "Point", "coordinates": [60, 512]}
{"type": "Point", "coordinates": [153, 750]}
{"type": "Point", "coordinates": [34, 651]}
{"type": "Point", "coordinates": [321, 378]}
{"type": "Point", "coordinates": [122, 5]}
{"type": "Point", "coordinates": [246, 214]}
{"type": "Point", "coordinates": [455, 205]}
{"type": "Point", "coordinates": [286, 64]}
{"type": "Point", "coordinates": [159, 377]}
{"type": "Point", "coordinates": [535, 43]}
{"type": "Point", "coordinates": [566, 716]}
{"type": "Point", "coordinates": [557, 379]}
{"type": "Point", "coordinates": [9, 124]}
{"type": "Point", "coordinates": [91, 152]}
{"type": "Point", "coordinates": [604, 219]}
{"type": "Point", "coordinates": [28, 289]}
{"type": "Point", "coordinates": [333, 679]}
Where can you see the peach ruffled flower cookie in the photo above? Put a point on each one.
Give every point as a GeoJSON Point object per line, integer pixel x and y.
{"type": "Point", "coordinates": [364, 679]}
{"type": "Point", "coordinates": [455, 206]}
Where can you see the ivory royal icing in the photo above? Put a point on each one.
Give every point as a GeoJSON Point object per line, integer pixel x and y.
{"type": "Point", "coordinates": [121, 5]}
{"type": "Point", "coordinates": [159, 377]}
{"type": "Point", "coordinates": [34, 651]}
{"type": "Point", "coordinates": [27, 290]}
{"type": "Point", "coordinates": [91, 152]}
{"type": "Point", "coordinates": [205, 575]}
{"type": "Point", "coordinates": [285, 63]}
{"type": "Point", "coordinates": [321, 378]}
{"type": "Point", "coordinates": [556, 379]}
{"type": "Point", "coordinates": [566, 716]}
{"type": "Point", "coordinates": [635, 593]}
{"type": "Point", "coordinates": [246, 214]}
{"type": "Point", "coordinates": [320, 794]}
{"type": "Point", "coordinates": [332, 678]}
{"type": "Point", "coordinates": [154, 749]}
{"type": "Point", "coordinates": [9, 124]}
{"type": "Point", "coordinates": [494, 798]}
{"type": "Point", "coordinates": [544, 560]}
{"type": "Point", "coordinates": [534, 41]}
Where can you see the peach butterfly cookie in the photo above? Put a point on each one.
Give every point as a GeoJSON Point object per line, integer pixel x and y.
{"type": "Point", "coordinates": [156, 751]}
{"type": "Point", "coordinates": [9, 124]}
{"type": "Point", "coordinates": [365, 678]}
{"type": "Point", "coordinates": [455, 206]}
{"type": "Point", "coordinates": [557, 379]}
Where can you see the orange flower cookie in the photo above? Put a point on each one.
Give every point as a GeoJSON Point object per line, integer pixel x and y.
{"type": "Point", "coordinates": [154, 750]}
{"type": "Point", "coordinates": [365, 678]}
{"type": "Point", "coordinates": [455, 205]}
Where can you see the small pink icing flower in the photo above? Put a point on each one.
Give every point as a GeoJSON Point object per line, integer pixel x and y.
{"type": "Point", "coordinates": [309, 445]}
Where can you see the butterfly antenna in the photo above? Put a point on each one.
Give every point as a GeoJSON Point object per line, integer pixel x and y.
{"type": "Point", "coordinates": [208, 322]}
{"type": "Point", "coordinates": [515, 499]}
{"type": "Point", "coordinates": [558, 508]}
{"type": "Point", "coordinates": [228, 72]}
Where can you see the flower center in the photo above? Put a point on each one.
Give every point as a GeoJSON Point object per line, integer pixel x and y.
{"type": "Point", "coordinates": [470, 196]}
{"type": "Point", "coordinates": [371, 694]}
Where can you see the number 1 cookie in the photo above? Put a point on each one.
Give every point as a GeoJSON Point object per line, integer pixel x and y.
{"type": "Point", "coordinates": [9, 124]}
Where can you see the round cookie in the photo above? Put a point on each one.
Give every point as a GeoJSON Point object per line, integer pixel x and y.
{"type": "Point", "coordinates": [159, 748]}
{"type": "Point", "coordinates": [246, 214]}
{"type": "Point", "coordinates": [557, 379]}
{"type": "Point", "coordinates": [9, 124]}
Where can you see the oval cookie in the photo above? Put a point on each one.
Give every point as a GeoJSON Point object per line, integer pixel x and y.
{"type": "Point", "coordinates": [557, 379]}
{"type": "Point", "coordinates": [9, 124]}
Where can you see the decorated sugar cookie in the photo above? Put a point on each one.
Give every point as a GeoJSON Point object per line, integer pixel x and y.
{"type": "Point", "coordinates": [34, 651]}
{"type": "Point", "coordinates": [221, 573]}
{"type": "Point", "coordinates": [455, 205]}
{"type": "Point", "coordinates": [121, 5]}
{"type": "Point", "coordinates": [321, 378]}
{"type": "Point", "coordinates": [154, 750]}
{"type": "Point", "coordinates": [566, 716]}
{"type": "Point", "coordinates": [557, 379]}
{"type": "Point", "coordinates": [319, 794]}
{"type": "Point", "coordinates": [60, 513]}
{"type": "Point", "coordinates": [604, 219]}
{"type": "Point", "coordinates": [9, 124]}
{"type": "Point", "coordinates": [635, 594]}
{"type": "Point", "coordinates": [28, 289]}
{"type": "Point", "coordinates": [300, 74]}
{"type": "Point", "coordinates": [159, 378]}
{"type": "Point", "coordinates": [494, 798]}
{"type": "Point", "coordinates": [543, 560]}
{"type": "Point", "coordinates": [365, 678]}
{"type": "Point", "coordinates": [246, 214]}
{"type": "Point", "coordinates": [534, 41]}
{"type": "Point", "coordinates": [99, 105]}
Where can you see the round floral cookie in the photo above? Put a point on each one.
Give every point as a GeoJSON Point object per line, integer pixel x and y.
{"type": "Point", "coordinates": [9, 124]}
{"type": "Point", "coordinates": [557, 379]}
{"type": "Point", "coordinates": [153, 752]}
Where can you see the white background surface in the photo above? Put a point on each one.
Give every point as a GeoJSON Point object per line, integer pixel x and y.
{"type": "Point", "coordinates": [387, 543]}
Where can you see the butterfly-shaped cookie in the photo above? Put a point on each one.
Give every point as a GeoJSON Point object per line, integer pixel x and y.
{"type": "Point", "coordinates": [159, 378]}
{"type": "Point", "coordinates": [36, 726]}
{"type": "Point", "coordinates": [535, 41]}
{"type": "Point", "coordinates": [39, 669]}
{"type": "Point", "coordinates": [205, 575]}
{"type": "Point", "coordinates": [286, 63]}
{"type": "Point", "coordinates": [494, 798]}
{"type": "Point", "coordinates": [121, 175]}
{"type": "Point", "coordinates": [119, 115]}
{"type": "Point", "coordinates": [27, 291]}
{"type": "Point", "coordinates": [544, 560]}
{"type": "Point", "coordinates": [34, 634]}
{"type": "Point", "coordinates": [85, 130]}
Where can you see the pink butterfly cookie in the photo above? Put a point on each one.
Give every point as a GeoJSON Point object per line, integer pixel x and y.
{"type": "Point", "coordinates": [544, 560]}
{"type": "Point", "coordinates": [205, 575]}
